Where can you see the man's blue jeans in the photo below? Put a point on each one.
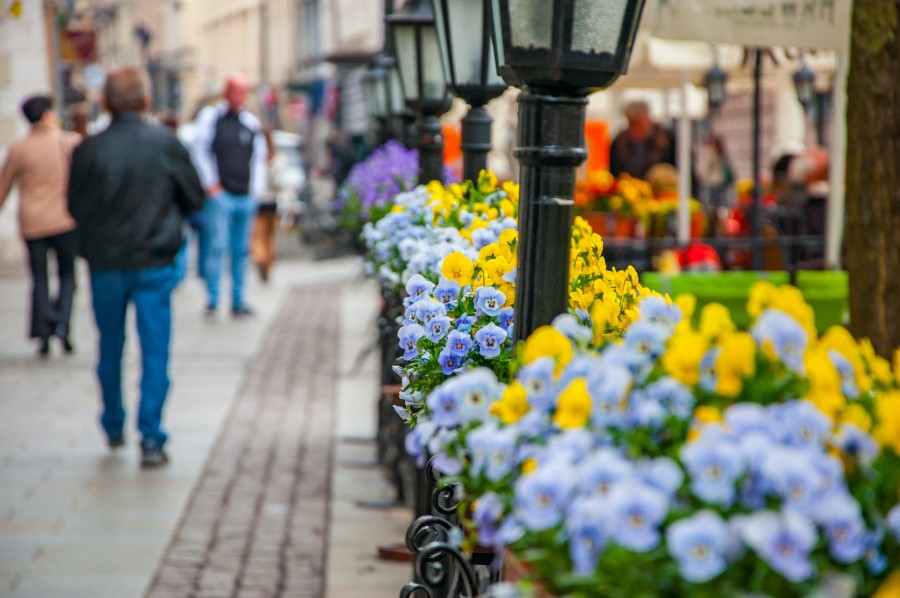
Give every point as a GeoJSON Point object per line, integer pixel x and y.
{"type": "Point", "coordinates": [150, 291]}
{"type": "Point", "coordinates": [229, 219]}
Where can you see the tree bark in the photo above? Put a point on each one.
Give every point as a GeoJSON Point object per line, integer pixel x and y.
{"type": "Point", "coordinates": [872, 240]}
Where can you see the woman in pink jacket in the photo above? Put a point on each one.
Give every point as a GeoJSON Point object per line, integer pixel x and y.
{"type": "Point", "coordinates": [39, 165]}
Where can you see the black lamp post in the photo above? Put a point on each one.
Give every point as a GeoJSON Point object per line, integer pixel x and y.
{"type": "Point", "coordinates": [805, 85]}
{"type": "Point", "coordinates": [374, 86]}
{"type": "Point", "coordinates": [421, 69]}
{"type": "Point", "coordinates": [464, 32]}
{"type": "Point", "coordinates": [560, 51]}
{"type": "Point", "coordinates": [715, 81]}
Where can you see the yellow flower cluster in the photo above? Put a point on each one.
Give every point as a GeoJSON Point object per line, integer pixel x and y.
{"type": "Point", "coordinates": [789, 299]}
{"type": "Point", "coordinates": [483, 199]}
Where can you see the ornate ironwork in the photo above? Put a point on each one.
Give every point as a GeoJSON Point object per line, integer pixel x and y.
{"type": "Point", "coordinates": [443, 568]}
{"type": "Point", "coordinates": [445, 499]}
{"type": "Point", "coordinates": [425, 530]}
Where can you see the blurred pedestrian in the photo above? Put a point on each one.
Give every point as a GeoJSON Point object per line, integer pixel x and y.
{"type": "Point", "coordinates": [716, 177]}
{"type": "Point", "coordinates": [641, 145]}
{"type": "Point", "coordinates": [230, 153]}
{"type": "Point", "coordinates": [281, 190]}
{"type": "Point", "coordinates": [39, 165]}
{"type": "Point", "coordinates": [130, 188]}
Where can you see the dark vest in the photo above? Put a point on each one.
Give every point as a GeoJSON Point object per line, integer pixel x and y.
{"type": "Point", "coordinates": [233, 148]}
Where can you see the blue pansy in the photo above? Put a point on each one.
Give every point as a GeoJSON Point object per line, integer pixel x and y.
{"type": "Point", "coordinates": [588, 523]}
{"type": "Point", "coordinates": [647, 338]}
{"type": "Point", "coordinates": [840, 516]}
{"type": "Point", "coordinates": [893, 521]}
{"type": "Point", "coordinates": [490, 340]}
{"type": "Point", "coordinates": [409, 336]}
{"type": "Point", "coordinates": [675, 397]}
{"type": "Point", "coordinates": [449, 362]}
{"type": "Point", "coordinates": [787, 337]}
{"type": "Point", "coordinates": [541, 497]}
{"type": "Point", "coordinates": [572, 328]}
{"type": "Point", "coordinates": [793, 476]}
{"type": "Point", "coordinates": [477, 390]}
{"type": "Point", "coordinates": [714, 463]}
{"type": "Point", "coordinates": [848, 376]}
{"type": "Point", "coordinates": [444, 404]}
{"type": "Point", "coordinates": [492, 451]}
{"type": "Point", "coordinates": [639, 364]}
{"type": "Point", "coordinates": [744, 418]}
{"type": "Point", "coordinates": [459, 343]}
{"type": "Point", "coordinates": [487, 514]}
{"type": "Point", "coordinates": [464, 322]}
{"type": "Point", "coordinates": [699, 544]}
{"type": "Point", "coordinates": [570, 445]}
{"type": "Point", "coordinates": [410, 315]}
{"type": "Point", "coordinates": [428, 309]}
{"type": "Point", "coordinates": [482, 237]}
{"type": "Point", "coordinates": [856, 443]}
{"type": "Point", "coordinates": [506, 319]}
{"type": "Point", "coordinates": [600, 471]}
{"type": "Point", "coordinates": [537, 379]}
{"type": "Point", "coordinates": [447, 292]}
{"type": "Point", "coordinates": [708, 378]}
{"type": "Point", "coordinates": [656, 310]}
{"type": "Point", "coordinates": [418, 287]}
{"type": "Point", "coordinates": [799, 423]}
{"type": "Point", "coordinates": [437, 328]}
{"type": "Point", "coordinates": [417, 439]}
{"type": "Point", "coordinates": [639, 510]}
{"type": "Point", "coordinates": [489, 300]}
{"type": "Point", "coordinates": [609, 388]}
{"type": "Point", "coordinates": [662, 473]}
{"type": "Point", "coordinates": [783, 540]}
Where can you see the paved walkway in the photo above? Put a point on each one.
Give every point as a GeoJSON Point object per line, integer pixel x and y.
{"type": "Point", "coordinates": [257, 486]}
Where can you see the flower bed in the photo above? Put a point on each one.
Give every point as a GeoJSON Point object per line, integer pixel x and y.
{"type": "Point", "coordinates": [682, 461]}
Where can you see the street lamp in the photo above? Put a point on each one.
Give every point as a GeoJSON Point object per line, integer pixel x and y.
{"type": "Point", "coordinates": [422, 77]}
{"type": "Point", "coordinates": [464, 33]}
{"type": "Point", "coordinates": [716, 93]}
{"type": "Point", "coordinates": [560, 52]}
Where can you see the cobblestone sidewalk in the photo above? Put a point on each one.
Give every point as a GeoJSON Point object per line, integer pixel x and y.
{"type": "Point", "coordinates": [256, 524]}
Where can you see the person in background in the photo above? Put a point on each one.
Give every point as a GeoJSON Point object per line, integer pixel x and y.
{"type": "Point", "coordinates": [641, 145]}
{"type": "Point", "coordinates": [79, 118]}
{"type": "Point", "coordinates": [39, 165]}
{"type": "Point", "coordinates": [230, 153]}
{"type": "Point", "coordinates": [716, 177]}
{"type": "Point", "coordinates": [280, 190]}
{"type": "Point", "coordinates": [130, 189]}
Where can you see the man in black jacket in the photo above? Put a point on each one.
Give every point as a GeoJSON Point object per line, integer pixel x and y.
{"type": "Point", "coordinates": [129, 189]}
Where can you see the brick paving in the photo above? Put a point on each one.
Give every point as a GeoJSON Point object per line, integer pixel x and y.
{"type": "Point", "coordinates": [256, 524]}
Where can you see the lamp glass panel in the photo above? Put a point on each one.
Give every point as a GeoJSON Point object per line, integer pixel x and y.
{"type": "Point", "coordinates": [435, 86]}
{"type": "Point", "coordinates": [466, 31]}
{"type": "Point", "coordinates": [441, 25]}
{"type": "Point", "coordinates": [405, 43]}
{"type": "Point", "coordinates": [394, 87]}
{"type": "Point", "coordinates": [531, 23]}
{"type": "Point", "coordinates": [374, 98]}
{"type": "Point", "coordinates": [498, 32]}
{"type": "Point", "coordinates": [597, 25]}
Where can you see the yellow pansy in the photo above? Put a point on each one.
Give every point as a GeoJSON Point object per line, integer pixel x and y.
{"type": "Point", "coordinates": [489, 251]}
{"type": "Point", "coordinates": [890, 588]}
{"type": "Point", "coordinates": [512, 405]}
{"type": "Point", "coordinates": [398, 208]}
{"type": "Point", "coordinates": [547, 341]}
{"type": "Point", "coordinates": [855, 414]}
{"type": "Point", "coordinates": [508, 208]}
{"type": "Point", "coordinates": [887, 411]}
{"type": "Point", "coordinates": [687, 303]}
{"type": "Point", "coordinates": [458, 267]}
{"type": "Point", "coordinates": [736, 361]}
{"type": "Point", "coordinates": [573, 409]}
{"type": "Point", "coordinates": [683, 354]}
{"type": "Point", "coordinates": [495, 268]}
{"type": "Point", "coordinates": [762, 294]}
{"type": "Point", "coordinates": [529, 465]}
{"type": "Point", "coordinates": [824, 382]}
{"type": "Point", "coordinates": [508, 243]}
{"type": "Point", "coordinates": [487, 181]}
{"type": "Point", "coordinates": [512, 191]}
{"type": "Point", "coordinates": [715, 320]}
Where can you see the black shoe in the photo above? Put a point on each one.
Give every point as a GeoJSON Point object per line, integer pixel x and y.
{"type": "Point", "coordinates": [210, 311]}
{"type": "Point", "coordinates": [153, 457]}
{"type": "Point", "coordinates": [115, 442]}
{"type": "Point", "coordinates": [44, 348]}
{"type": "Point", "coordinates": [242, 312]}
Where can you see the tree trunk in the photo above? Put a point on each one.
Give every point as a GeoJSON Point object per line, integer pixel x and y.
{"type": "Point", "coordinates": [872, 239]}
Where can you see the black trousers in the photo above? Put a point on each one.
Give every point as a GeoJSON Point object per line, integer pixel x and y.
{"type": "Point", "coordinates": [51, 315]}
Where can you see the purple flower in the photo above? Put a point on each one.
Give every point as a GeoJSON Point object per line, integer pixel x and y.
{"type": "Point", "coordinates": [589, 526]}
{"type": "Point", "coordinates": [639, 510]}
{"type": "Point", "coordinates": [444, 405]}
{"type": "Point", "coordinates": [487, 515]}
{"type": "Point", "coordinates": [409, 336]}
{"type": "Point", "coordinates": [489, 301]}
{"type": "Point", "coordinates": [418, 287]}
{"type": "Point", "coordinates": [384, 173]}
{"type": "Point", "coordinates": [464, 322]}
{"type": "Point", "coordinates": [447, 292]}
{"type": "Point", "coordinates": [490, 340]}
{"type": "Point", "coordinates": [841, 517]}
{"type": "Point", "coordinates": [437, 328]}
{"type": "Point", "coordinates": [428, 309]}
{"type": "Point", "coordinates": [449, 362]}
{"type": "Point", "coordinates": [459, 343]}
{"type": "Point", "coordinates": [506, 319]}
{"type": "Point", "coordinates": [417, 439]}
{"type": "Point", "coordinates": [783, 540]}
{"type": "Point", "coordinates": [699, 544]}
{"type": "Point", "coordinates": [714, 463]}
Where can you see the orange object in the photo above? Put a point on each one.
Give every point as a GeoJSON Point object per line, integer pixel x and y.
{"type": "Point", "coordinates": [453, 156]}
{"type": "Point", "coordinates": [596, 140]}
